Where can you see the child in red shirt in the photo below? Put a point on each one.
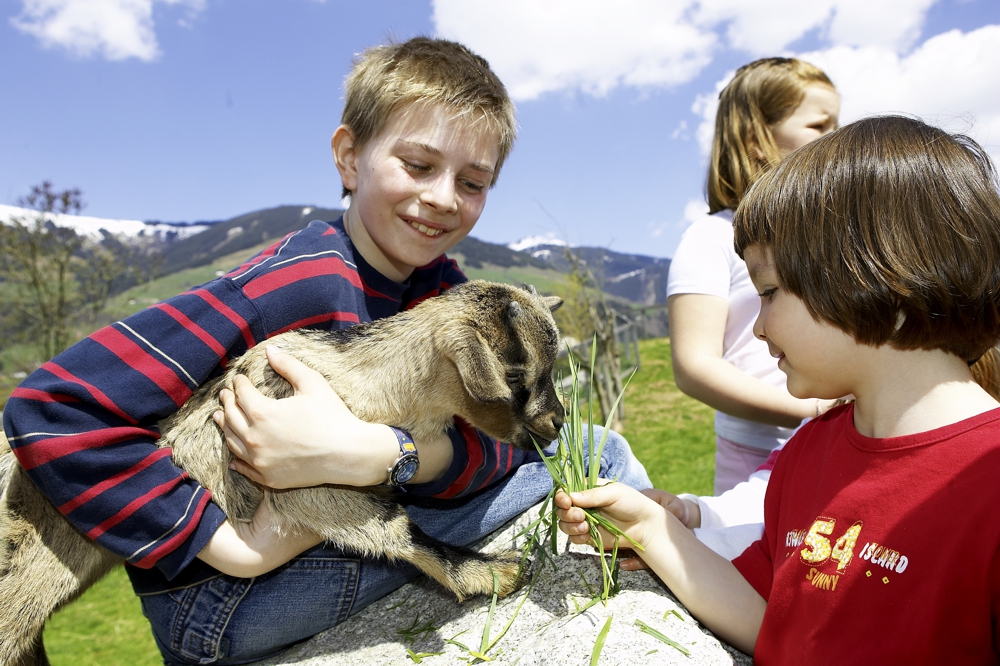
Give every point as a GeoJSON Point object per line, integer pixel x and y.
{"type": "Point", "coordinates": [875, 253]}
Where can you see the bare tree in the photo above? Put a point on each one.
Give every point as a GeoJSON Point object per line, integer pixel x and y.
{"type": "Point", "coordinates": [51, 275]}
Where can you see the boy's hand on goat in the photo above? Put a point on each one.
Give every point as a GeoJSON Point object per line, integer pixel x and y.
{"type": "Point", "coordinates": [307, 439]}
{"type": "Point", "coordinates": [252, 549]}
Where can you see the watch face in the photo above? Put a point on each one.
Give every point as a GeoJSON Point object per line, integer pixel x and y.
{"type": "Point", "coordinates": [404, 469]}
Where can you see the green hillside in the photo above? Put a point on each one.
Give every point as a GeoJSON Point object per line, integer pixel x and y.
{"type": "Point", "coordinates": [141, 296]}
{"type": "Point", "coordinates": [546, 280]}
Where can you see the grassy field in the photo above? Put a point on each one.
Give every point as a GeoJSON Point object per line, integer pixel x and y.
{"type": "Point", "coordinates": [104, 627]}
{"type": "Point", "coordinates": [669, 432]}
{"type": "Point", "coordinates": [673, 435]}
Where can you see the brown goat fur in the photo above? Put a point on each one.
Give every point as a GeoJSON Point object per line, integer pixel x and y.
{"type": "Point", "coordinates": [482, 351]}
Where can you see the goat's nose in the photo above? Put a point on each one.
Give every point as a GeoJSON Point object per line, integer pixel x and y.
{"type": "Point", "coordinates": [557, 422]}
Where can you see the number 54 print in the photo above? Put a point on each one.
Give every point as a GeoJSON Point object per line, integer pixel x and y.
{"type": "Point", "coordinates": [818, 547]}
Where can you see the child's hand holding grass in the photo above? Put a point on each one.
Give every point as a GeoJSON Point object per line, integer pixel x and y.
{"type": "Point", "coordinates": [640, 519]}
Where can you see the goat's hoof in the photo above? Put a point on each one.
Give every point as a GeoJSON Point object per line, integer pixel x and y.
{"type": "Point", "coordinates": [511, 575]}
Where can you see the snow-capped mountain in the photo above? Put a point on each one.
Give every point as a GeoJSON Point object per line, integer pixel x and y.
{"type": "Point", "coordinates": [636, 277]}
{"type": "Point", "coordinates": [92, 226]}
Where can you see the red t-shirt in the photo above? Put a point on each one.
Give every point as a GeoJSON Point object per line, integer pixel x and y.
{"type": "Point", "coordinates": [881, 551]}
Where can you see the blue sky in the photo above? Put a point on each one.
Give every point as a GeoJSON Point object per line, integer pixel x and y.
{"type": "Point", "coordinates": [207, 109]}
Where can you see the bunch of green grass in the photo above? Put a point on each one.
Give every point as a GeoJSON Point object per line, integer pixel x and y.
{"type": "Point", "coordinates": [575, 468]}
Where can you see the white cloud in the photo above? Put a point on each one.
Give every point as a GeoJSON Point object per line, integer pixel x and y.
{"type": "Point", "coordinates": [894, 24]}
{"type": "Point", "coordinates": [705, 106]}
{"type": "Point", "coordinates": [596, 46]}
{"type": "Point", "coordinates": [589, 45]}
{"type": "Point", "coordinates": [947, 81]}
{"type": "Point", "coordinates": [112, 29]}
{"type": "Point", "coordinates": [695, 209]}
{"type": "Point", "coordinates": [764, 27]}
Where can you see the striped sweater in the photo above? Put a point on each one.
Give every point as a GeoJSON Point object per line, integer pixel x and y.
{"type": "Point", "coordinates": [84, 424]}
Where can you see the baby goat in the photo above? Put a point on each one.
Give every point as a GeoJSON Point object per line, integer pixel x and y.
{"type": "Point", "coordinates": [482, 351]}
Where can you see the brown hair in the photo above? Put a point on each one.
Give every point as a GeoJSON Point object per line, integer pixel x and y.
{"type": "Point", "coordinates": [986, 372]}
{"type": "Point", "coordinates": [389, 77]}
{"type": "Point", "coordinates": [888, 229]}
{"type": "Point", "coordinates": [762, 94]}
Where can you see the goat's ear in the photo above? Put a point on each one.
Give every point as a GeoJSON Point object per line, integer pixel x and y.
{"type": "Point", "coordinates": [484, 376]}
{"type": "Point", "coordinates": [553, 303]}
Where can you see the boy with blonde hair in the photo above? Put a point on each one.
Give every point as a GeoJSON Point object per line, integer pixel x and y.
{"type": "Point", "coordinates": [426, 128]}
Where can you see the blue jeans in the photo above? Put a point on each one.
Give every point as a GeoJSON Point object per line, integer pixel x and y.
{"type": "Point", "coordinates": [206, 617]}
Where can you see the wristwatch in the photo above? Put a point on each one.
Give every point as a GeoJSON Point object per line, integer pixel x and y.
{"type": "Point", "coordinates": [407, 463]}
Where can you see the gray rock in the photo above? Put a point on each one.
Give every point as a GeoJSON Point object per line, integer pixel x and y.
{"type": "Point", "coordinates": [547, 630]}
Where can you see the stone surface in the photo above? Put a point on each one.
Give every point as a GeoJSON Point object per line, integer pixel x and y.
{"type": "Point", "coordinates": [546, 630]}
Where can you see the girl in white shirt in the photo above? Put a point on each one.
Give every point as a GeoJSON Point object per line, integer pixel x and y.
{"type": "Point", "coordinates": [771, 107]}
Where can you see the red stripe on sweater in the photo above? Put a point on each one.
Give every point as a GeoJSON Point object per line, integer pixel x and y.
{"type": "Point", "coordinates": [417, 301]}
{"type": "Point", "coordinates": [97, 394]}
{"type": "Point", "coordinates": [173, 542]}
{"type": "Point", "coordinates": [136, 504]}
{"type": "Point", "coordinates": [372, 292]}
{"type": "Point", "coordinates": [475, 451]}
{"type": "Point", "coordinates": [228, 313]}
{"type": "Point", "coordinates": [41, 396]}
{"type": "Point", "coordinates": [300, 270]}
{"type": "Point", "coordinates": [192, 328]}
{"type": "Point", "coordinates": [140, 360]}
{"type": "Point", "coordinates": [46, 450]}
{"type": "Point", "coordinates": [326, 316]}
{"type": "Point", "coordinates": [94, 491]}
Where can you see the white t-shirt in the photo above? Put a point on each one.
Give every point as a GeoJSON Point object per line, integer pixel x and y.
{"type": "Point", "coordinates": [707, 263]}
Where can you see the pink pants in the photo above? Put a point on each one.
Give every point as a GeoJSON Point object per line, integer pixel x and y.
{"type": "Point", "coordinates": [734, 463]}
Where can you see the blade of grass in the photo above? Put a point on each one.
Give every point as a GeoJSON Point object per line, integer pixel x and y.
{"type": "Point", "coordinates": [586, 584]}
{"type": "Point", "coordinates": [607, 430]}
{"type": "Point", "coordinates": [395, 606]}
{"type": "Point", "coordinates": [590, 412]}
{"type": "Point", "coordinates": [599, 643]}
{"type": "Point", "coordinates": [517, 610]}
{"type": "Point", "coordinates": [454, 642]}
{"type": "Point", "coordinates": [645, 628]}
{"type": "Point", "coordinates": [484, 645]}
{"type": "Point", "coordinates": [418, 657]}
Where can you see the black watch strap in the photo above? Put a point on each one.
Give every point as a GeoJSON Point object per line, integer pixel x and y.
{"type": "Point", "coordinates": [407, 463]}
